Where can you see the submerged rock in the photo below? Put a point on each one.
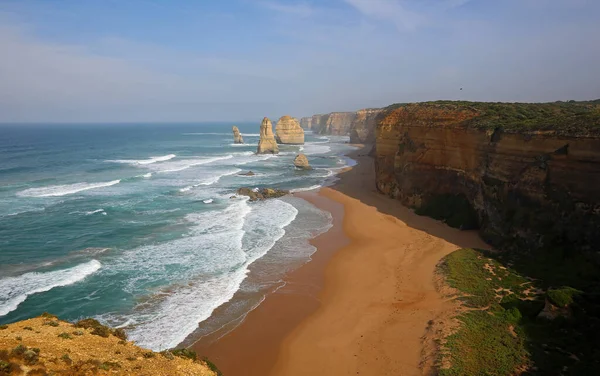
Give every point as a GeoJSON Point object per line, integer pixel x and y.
{"type": "Point", "coordinates": [237, 136]}
{"type": "Point", "coordinates": [302, 162]}
{"type": "Point", "coordinates": [289, 131]}
{"type": "Point", "coordinates": [267, 142]}
{"type": "Point", "coordinates": [261, 194]}
{"type": "Point", "coordinates": [249, 173]}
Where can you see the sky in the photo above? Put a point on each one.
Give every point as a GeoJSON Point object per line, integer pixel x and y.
{"type": "Point", "coordinates": [241, 60]}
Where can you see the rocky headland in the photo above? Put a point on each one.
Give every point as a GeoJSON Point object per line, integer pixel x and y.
{"type": "Point", "coordinates": [362, 129]}
{"type": "Point", "coordinates": [48, 346]}
{"type": "Point", "coordinates": [306, 123]}
{"type": "Point", "coordinates": [335, 123]}
{"type": "Point", "coordinates": [237, 136]}
{"type": "Point", "coordinates": [267, 143]}
{"type": "Point", "coordinates": [359, 125]}
{"type": "Point", "coordinates": [289, 131]}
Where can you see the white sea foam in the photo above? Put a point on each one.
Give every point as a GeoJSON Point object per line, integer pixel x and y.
{"type": "Point", "coordinates": [211, 180]}
{"type": "Point", "coordinates": [146, 176]}
{"type": "Point", "coordinates": [221, 134]}
{"type": "Point", "coordinates": [148, 161]}
{"type": "Point", "coordinates": [95, 211]}
{"type": "Point", "coordinates": [63, 190]}
{"type": "Point", "coordinates": [205, 268]}
{"type": "Point", "coordinates": [184, 164]}
{"type": "Point", "coordinates": [314, 148]}
{"type": "Point", "coordinates": [209, 201]}
{"type": "Point", "coordinates": [15, 290]}
{"type": "Point", "coordinates": [311, 188]}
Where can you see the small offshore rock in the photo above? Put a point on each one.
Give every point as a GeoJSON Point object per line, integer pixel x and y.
{"type": "Point", "coordinates": [302, 162]}
{"type": "Point", "coordinates": [249, 173]}
{"type": "Point", "coordinates": [237, 136]}
{"type": "Point", "coordinates": [261, 194]}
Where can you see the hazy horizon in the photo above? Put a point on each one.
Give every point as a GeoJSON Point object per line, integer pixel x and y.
{"type": "Point", "coordinates": [144, 61]}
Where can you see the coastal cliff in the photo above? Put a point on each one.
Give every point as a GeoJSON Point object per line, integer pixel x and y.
{"type": "Point", "coordinates": [362, 129]}
{"type": "Point", "coordinates": [359, 125]}
{"type": "Point", "coordinates": [306, 123]}
{"type": "Point", "coordinates": [338, 123]}
{"type": "Point", "coordinates": [526, 175]}
{"type": "Point", "coordinates": [335, 123]}
{"type": "Point", "coordinates": [288, 131]}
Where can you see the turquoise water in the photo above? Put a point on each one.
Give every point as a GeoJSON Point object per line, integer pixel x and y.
{"type": "Point", "coordinates": [135, 224]}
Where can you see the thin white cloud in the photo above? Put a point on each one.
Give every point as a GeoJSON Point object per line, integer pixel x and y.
{"type": "Point", "coordinates": [390, 10]}
{"type": "Point", "coordinates": [299, 9]}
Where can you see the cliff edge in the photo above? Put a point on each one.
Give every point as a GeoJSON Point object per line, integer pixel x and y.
{"type": "Point", "coordinates": [525, 175]}
{"type": "Point", "coordinates": [48, 346]}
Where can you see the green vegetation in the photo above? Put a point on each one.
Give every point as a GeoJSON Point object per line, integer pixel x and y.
{"type": "Point", "coordinates": [212, 366]}
{"type": "Point", "coordinates": [51, 323]}
{"type": "Point", "coordinates": [563, 297]}
{"type": "Point", "coordinates": [106, 366]}
{"type": "Point", "coordinates": [5, 367]}
{"type": "Point", "coordinates": [149, 355]}
{"type": "Point", "coordinates": [455, 210]}
{"type": "Point", "coordinates": [189, 354]}
{"type": "Point", "coordinates": [47, 315]}
{"type": "Point", "coordinates": [563, 117]}
{"type": "Point", "coordinates": [2, 327]}
{"type": "Point", "coordinates": [65, 335]}
{"type": "Point", "coordinates": [100, 330]}
{"type": "Point", "coordinates": [185, 353]}
{"type": "Point", "coordinates": [500, 331]}
{"type": "Point", "coordinates": [66, 358]}
{"type": "Point", "coordinates": [27, 328]}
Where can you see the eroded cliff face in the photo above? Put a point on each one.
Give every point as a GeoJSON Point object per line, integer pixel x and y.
{"type": "Point", "coordinates": [362, 129]}
{"type": "Point", "coordinates": [306, 123]}
{"type": "Point", "coordinates": [335, 123]}
{"type": "Point", "coordinates": [525, 189]}
{"type": "Point", "coordinates": [338, 123]}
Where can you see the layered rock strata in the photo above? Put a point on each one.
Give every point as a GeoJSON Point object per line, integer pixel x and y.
{"type": "Point", "coordinates": [306, 123]}
{"type": "Point", "coordinates": [362, 129]}
{"type": "Point", "coordinates": [526, 175]}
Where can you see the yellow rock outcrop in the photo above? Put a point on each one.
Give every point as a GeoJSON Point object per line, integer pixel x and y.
{"type": "Point", "coordinates": [289, 131]}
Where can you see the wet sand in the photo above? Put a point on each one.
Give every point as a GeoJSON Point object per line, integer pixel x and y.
{"type": "Point", "coordinates": [363, 305]}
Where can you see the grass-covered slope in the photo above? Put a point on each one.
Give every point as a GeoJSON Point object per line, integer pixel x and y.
{"type": "Point", "coordinates": [515, 322]}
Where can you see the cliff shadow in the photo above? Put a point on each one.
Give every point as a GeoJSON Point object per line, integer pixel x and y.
{"type": "Point", "coordinates": [359, 183]}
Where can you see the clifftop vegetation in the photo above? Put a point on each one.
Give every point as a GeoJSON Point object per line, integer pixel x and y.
{"type": "Point", "coordinates": [567, 118]}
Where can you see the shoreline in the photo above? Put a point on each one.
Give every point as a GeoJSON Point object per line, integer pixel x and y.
{"type": "Point", "coordinates": [251, 347]}
{"type": "Point", "coordinates": [362, 304]}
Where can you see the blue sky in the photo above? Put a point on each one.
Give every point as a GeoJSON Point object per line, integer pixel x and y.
{"type": "Point", "coordinates": [151, 60]}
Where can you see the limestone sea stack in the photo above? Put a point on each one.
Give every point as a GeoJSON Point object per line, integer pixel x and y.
{"type": "Point", "coordinates": [289, 131]}
{"type": "Point", "coordinates": [302, 162]}
{"type": "Point", "coordinates": [267, 144]}
{"type": "Point", "coordinates": [237, 136]}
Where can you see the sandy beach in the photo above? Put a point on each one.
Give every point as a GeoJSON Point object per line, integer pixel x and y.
{"type": "Point", "coordinates": [365, 301]}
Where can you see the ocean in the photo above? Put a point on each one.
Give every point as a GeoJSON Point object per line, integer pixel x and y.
{"type": "Point", "coordinates": [135, 225]}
